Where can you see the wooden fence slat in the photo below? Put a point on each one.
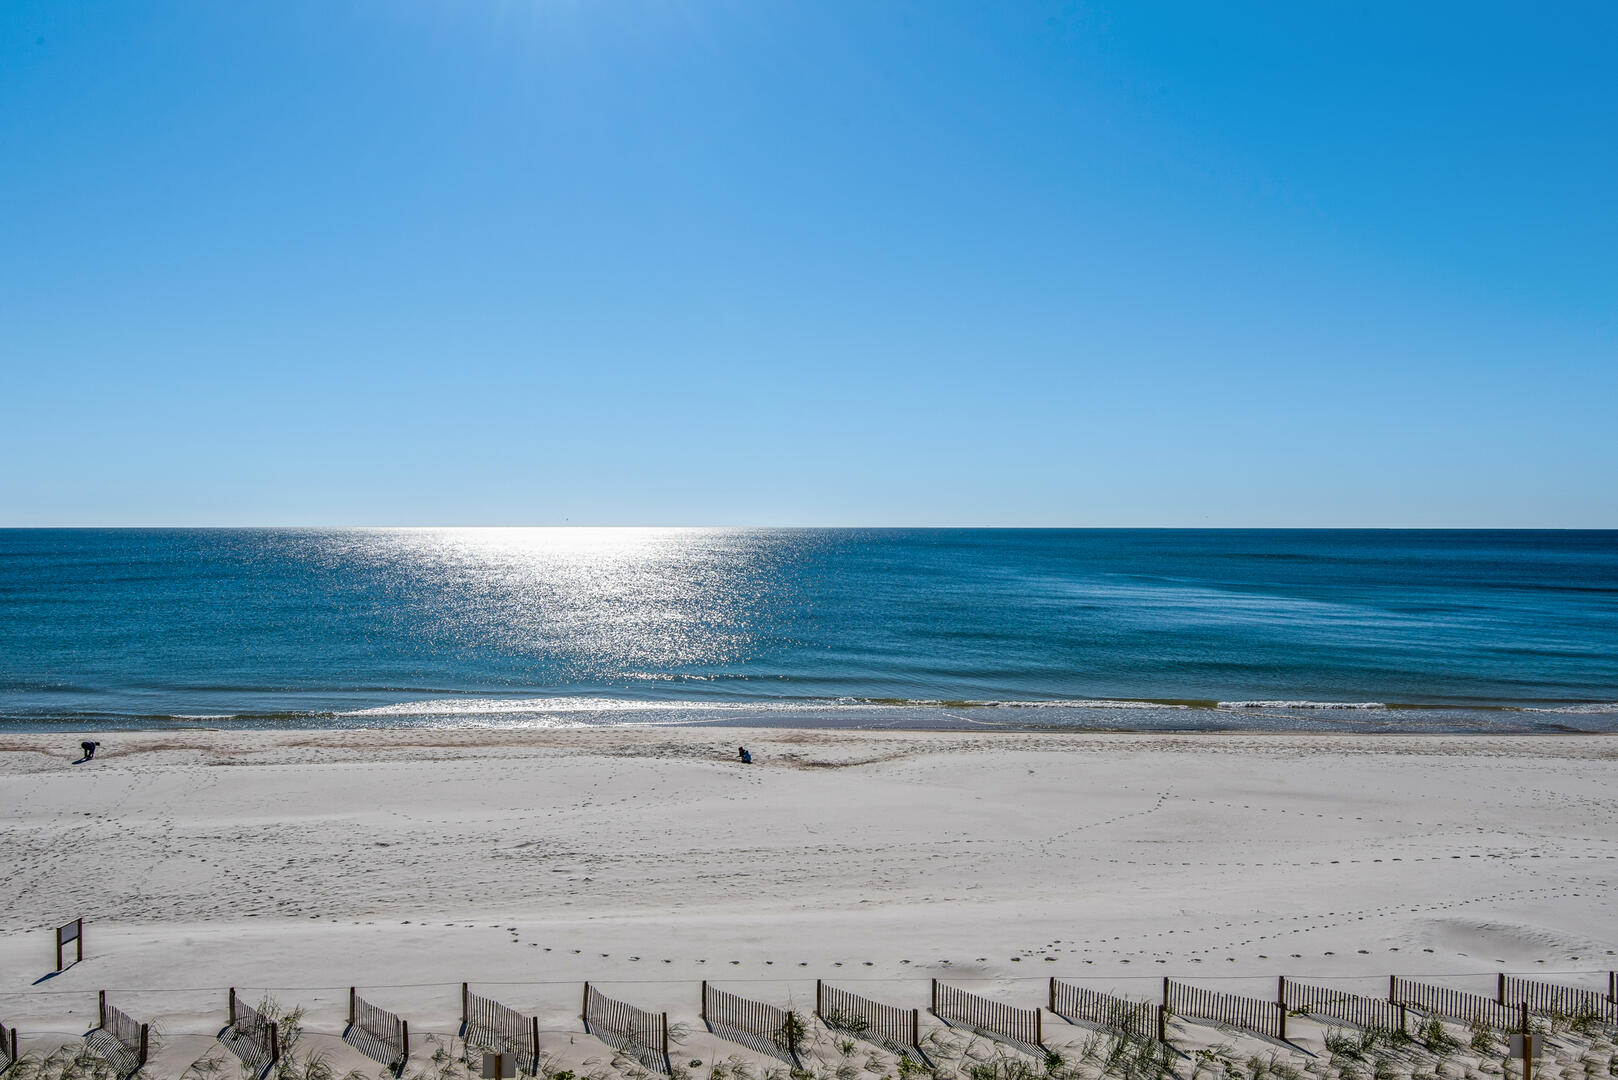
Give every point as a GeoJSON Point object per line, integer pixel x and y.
{"type": "Point", "coordinates": [1248, 1014]}
{"type": "Point", "coordinates": [499, 1029]}
{"type": "Point", "coordinates": [8, 1047]}
{"type": "Point", "coordinates": [381, 1035]}
{"type": "Point", "coordinates": [119, 1039]}
{"type": "Point", "coordinates": [1544, 997]}
{"type": "Point", "coordinates": [1365, 1012]}
{"type": "Point", "coordinates": [889, 1026]}
{"type": "Point", "coordinates": [1449, 1004]}
{"type": "Point", "coordinates": [642, 1034]}
{"type": "Point", "coordinates": [253, 1039]}
{"type": "Point", "coordinates": [1017, 1025]}
{"type": "Point", "coordinates": [1123, 1015]}
{"type": "Point", "coordinates": [754, 1024]}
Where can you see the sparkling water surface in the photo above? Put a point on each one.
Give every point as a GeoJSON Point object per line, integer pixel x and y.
{"type": "Point", "coordinates": [1331, 630]}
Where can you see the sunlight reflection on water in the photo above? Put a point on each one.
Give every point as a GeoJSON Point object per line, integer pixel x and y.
{"type": "Point", "coordinates": [597, 601]}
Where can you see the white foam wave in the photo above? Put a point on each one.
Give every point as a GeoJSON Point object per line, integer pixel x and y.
{"type": "Point", "coordinates": [1610, 707]}
{"type": "Point", "coordinates": [1362, 705]}
{"type": "Point", "coordinates": [498, 706]}
{"type": "Point", "coordinates": [471, 707]}
{"type": "Point", "coordinates": [1069, 703]}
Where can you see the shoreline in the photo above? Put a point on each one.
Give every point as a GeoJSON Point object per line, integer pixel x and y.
{"type": "Point", "coordinates": [1086, 715]}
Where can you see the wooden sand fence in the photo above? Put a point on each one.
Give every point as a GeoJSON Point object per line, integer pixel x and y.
{"type": "Point", "coordinates": [499, 1029]}
{"type": "Point", "coordinates": [1021, 1027]}
{"type": "Point", "coordinates": [888, 1026]}
{"type": "Point", "coordinates": [1357, 1009]}
{"type": "Point", "coordinates": [1457, 1005]}
{"type": "Point", "coordinates": [255, 1041]}
{"type": "Point", "coordinates": [8, 1047]}
{"type": "Point", "coordinates": [1135, 1019]}
{"type": "Point", "coordinates": [378, 1034]}
{"type": "Point", "coordinates": [753, 1024]}
{"type": "Point", "coordinates": [642, 1035]}
{"type": "Point", "coordinates": [1231, 1010]}
{"type": "Point", "coordinates": [1544, 997]}
{"type": "Point", "coordinates": [119, 1039]}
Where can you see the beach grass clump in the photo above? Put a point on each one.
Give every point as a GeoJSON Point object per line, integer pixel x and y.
{"type": "Point", "coordinates": [790, 1035]}
{"type": "Point", "coordinates": [1273, 1066]}
{"type": "Point", "coordinates": [1146, 1059]}
{"type": "Point", "coordinates": [440, 1063]}
{"type": "Point", "coordinates": [1002, 1067]}
{"type": "Point", "coordinates": [74, 1061]}
{"type": "Point", "coordinates": [1215, 1062]}
{"type": "Point", "coordinates": [1582, 1021]}
{"type": "Point", "coordinates": [296, 1062]}
{"type": "Point", "coordinates": [1436, 1037]}
{"type": "Point", "coordinates": [842, 1021]}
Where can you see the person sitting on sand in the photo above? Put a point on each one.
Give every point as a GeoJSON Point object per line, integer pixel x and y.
{"type": "Point", "coordinates": [89, 749]}
{"type": "Point", "coordinates": [741, 752]}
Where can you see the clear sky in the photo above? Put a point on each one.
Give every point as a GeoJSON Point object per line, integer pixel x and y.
{"type": "Point", "coordinates": [818, 262]}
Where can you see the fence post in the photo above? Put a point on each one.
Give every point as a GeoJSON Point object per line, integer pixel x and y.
{"type": "Point", "coordinates": [534, 1037]}
{"type": "Point", "coordinates": [1163, 1024]}
{"type": "Point", "coordinates": [584, 1006]}
{"type": "Point", "coordinates": [58, 950]}
{"type": "Point", "coordinates": [78, 939]}
{"type": "Point", "coordinates": [1281, 991]}
{"type": "Point", "coordinates": [232, 1008]}
{"type": "Point", "coordinates": [1525, 1018]}
{"type": "Point", "coordinates": [704, 1013]}
{"type": "Point", "coordinates": [101, 1007]}
{"type": "Point", "coordinates": [275, 1042]}
{"type": "Point", "coordinates": [1393, 998]}
{"type": "Point", "coordinates": [1402, 1026]}
{"type": "Point", "coordinates": [1053, 993]}
{"type": "Point", "coordinates": [820, 999]}
{"type": "Point", "coordinates": [466, 1007]}
{"type": "Point", "coordinates": [1281, 1010]}
{"type": "Point", "coordinates": [404, 1038]}
{"type": "Point", "coordinates": [915, 1029]}
{"type": "Point", "coordinates": [1039, 1029]}
{"type": "Point", "coordinates": [350, 1006]}
{"type": "Point", "coordinates": [935, 997]}
{"type": "Point", "coordinates": [1165, 991]}
{"type": "Point", "coordinates": [145, 1029]}
{"type": "Point", "coordinates": [1500, 989]}
{"type": "Point", "coordinates": [665, 1037]}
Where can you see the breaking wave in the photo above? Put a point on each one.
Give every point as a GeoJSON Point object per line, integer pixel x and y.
{"type": "Point", "coordinates": [1361, 705]}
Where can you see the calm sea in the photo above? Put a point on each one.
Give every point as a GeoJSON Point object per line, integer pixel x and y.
{"type": "Point", "coordinates": [910, 628]}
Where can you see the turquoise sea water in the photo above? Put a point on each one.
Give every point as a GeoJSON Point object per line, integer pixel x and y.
{"type": "Point", "coordinates": [930, 628]}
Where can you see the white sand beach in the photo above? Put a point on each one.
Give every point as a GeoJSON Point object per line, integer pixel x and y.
{"type": "Point", "coordinates": [407, 861]}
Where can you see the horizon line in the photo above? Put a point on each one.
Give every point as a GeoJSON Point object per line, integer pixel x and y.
{"type": "Point", "coordinates": [839, 527]}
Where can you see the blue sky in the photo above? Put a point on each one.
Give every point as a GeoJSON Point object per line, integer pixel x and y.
{"type": "Point", "coordinates": [558, 261]}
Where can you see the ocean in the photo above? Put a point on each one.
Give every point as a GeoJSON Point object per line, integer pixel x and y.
{"type": "Point", "coordinates": [915, 628]}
